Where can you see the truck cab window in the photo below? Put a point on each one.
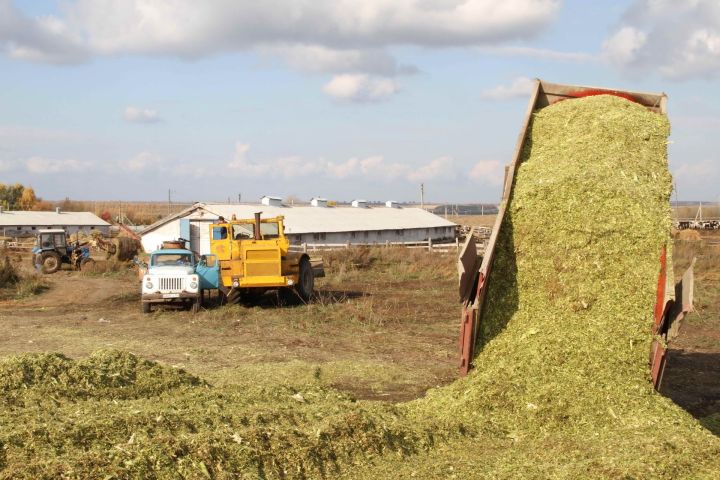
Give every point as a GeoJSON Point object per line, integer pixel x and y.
{"type": "Point", "coordinates": [219, 233]}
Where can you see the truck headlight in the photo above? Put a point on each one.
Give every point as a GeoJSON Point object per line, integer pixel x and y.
{"type": "Point", "coordinates": [149, 285]}
{"type": "Point", "coordinates": [193, 285]}
{"type": "Point", "coordinates": [290, 282]}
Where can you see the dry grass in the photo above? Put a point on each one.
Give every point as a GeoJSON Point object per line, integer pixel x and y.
{"type": "Point", "coordinates": [139, 213]}
{"type": "Point", "coordinates": [708, 211]}
{"type": "Point", "coordinates": [18, 284]}
{"type": "Point", "coordinates": [473, 220]}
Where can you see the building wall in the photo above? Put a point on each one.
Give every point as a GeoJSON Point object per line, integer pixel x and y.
{"type": "Point", "coordinates": [153, 240]}
{"type": "Point", "coordinates": [31, 231]}
{"type": "Point", "coordinates": [200, 236]}
{"type": "Point", "coordinates": [375, 236]}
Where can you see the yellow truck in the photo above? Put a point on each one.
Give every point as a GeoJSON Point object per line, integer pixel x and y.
{"type": "Point", "coordinates": [255, 256]}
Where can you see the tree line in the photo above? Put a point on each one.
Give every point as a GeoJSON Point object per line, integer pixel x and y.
{"type": "Point", "coordinates": [20, 197]}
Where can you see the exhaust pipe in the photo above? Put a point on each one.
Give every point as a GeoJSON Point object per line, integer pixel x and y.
{"type": "Point", "coordinates": [257, 226]}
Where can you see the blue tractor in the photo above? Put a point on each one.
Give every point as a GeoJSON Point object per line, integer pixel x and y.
{"type": "Point", "coordinates": [52, 250]}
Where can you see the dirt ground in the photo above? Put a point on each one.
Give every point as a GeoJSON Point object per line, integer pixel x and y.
{"type": "Point", "coordinates": [692, 375]}
{"type": "Point", "coordinates": [386, 330]}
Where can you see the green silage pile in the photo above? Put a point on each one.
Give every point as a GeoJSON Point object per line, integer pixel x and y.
{"type": "Point", "coordinates": [113, 415]}
{"type": "Point", "coordinates": [561, 386]}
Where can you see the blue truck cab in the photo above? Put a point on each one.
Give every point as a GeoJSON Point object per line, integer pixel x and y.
{"type": "Point", "coordinates": [176, 275]}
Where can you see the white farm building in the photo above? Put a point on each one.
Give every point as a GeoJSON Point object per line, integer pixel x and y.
{"type": "Point", "coordinates": [15, 223]}
{"type": "Point", "coordinates": [312, 225]}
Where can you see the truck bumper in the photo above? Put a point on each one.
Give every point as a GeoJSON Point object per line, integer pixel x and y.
{"type": "Point", "coordinates": [166, 298]}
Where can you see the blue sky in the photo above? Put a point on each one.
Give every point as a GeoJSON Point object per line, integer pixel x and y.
{"type": "Point", "coordinates": [125, 99]}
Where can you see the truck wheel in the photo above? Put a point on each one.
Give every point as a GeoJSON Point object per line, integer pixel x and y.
{"type": "Point", "coordinates": [233, 297]}
{"type": "Point", "coordinates": [147, 308]}
{"type": "Point", "coordinates": [87, 265]}
{"type": "Point", "coordinates": [196, 305]}
{"type": "Point", "coordinates": [287, 296]}
{"type": "Point", "coordinates": [306, 280]}
{"type": "Point", "coordinates": [50, 262]}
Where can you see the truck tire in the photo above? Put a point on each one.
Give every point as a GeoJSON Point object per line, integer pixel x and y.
{"type": "Point", "coordinates": [50, 262]}
{"type": "Point", "coordinates": [87, 265]}
{"type": "Point", "coordinates": [233, 297]}
{"type": "Point", "coordinates": [146, 307]}
{"type": "Point", "coordinates": [306, 280]}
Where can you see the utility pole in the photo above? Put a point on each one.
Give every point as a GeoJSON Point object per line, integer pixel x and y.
{"type": "Point", "coordinates": [169, 200]}
{"type": "Point", "coordinates": [239, 198]}
{"type": "Point", "coordinates": [422, 195]}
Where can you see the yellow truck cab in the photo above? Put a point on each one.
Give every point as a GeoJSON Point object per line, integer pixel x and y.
{"type": "Point", "coordinates": [255, 256]}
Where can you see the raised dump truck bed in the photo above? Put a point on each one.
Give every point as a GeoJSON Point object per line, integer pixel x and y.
{"type": "Point", "coordinates": [475, 276]}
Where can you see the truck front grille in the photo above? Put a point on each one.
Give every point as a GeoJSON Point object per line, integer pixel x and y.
{"type": "Point", "coordinates": [172, 284]}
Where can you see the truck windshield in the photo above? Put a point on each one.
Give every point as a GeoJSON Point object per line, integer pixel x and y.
{"type": "Point", "coordinates": [171, 259]}
{"type": "Point", "coordinates": [269, 230]}
{"type": "Point", "coordinates": [242, 231]}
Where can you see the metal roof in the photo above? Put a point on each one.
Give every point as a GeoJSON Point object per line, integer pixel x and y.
{"type": "Point", "coordinates": [307, 219]}
{"type": "Point", "coordinates": [32, 218]}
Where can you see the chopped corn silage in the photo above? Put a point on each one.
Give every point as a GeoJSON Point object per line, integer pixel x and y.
{"type": "Point", "coordinates": [565, 336]}
{"type": "Point", "coordinates": [560, 388]}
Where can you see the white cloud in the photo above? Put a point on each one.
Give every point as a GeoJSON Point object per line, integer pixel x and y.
{"type": "Point", "coordinates": [337, 36]}
{"type": "Point", "coordinates": [44, 39]}
{"type": "Point", "coordinates": [242, 165]}
{"type": "Point", "coordinates": [678, 39]}
{"type": "Point", "coordinates": [42, 165]}
{"type": "Point", "coordinates": [360, 88]}
{"type": "Point", "coordinates": [439, 168]}
{"type": "Point", "coordinates": [142, 162]}
{"type": "Point", "coordinates": [541, 53]}
{"type": "Point", "coordinates": [520, 87]}
{"type": "Point", "coordinates": [490, 171]}
{"type": "Point", "coordinates": [374, 167]}
{"type": "Point", "coordinates": [623, 47]}
{"type": "Point", "coordinates": [141, 115]}
{"type": "Point", "coordinates": [318, 58]}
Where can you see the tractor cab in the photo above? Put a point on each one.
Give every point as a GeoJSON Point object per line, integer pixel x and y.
{"type": "Point", "coordinates": [229, 239]}
{"type": "Point", "coordinates": [52, 239]}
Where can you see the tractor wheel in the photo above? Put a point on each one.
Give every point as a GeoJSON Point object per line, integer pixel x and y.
{"type": "Point", "coordinates": [306, 280]}
{"type": "Point", "coordinates": [50, 262]}
{"type": "Point", "coordinates": [233, 297]}
{"type": "Point", "coordinates": [196, 305]}
{"type": "Point", "coordinates": [251, 296]}
{"type": "Point", "coordinates": [146, 307]}
{"type": "Point", "coordinates": [287, 296]}
{"type": "Point", "coordinates": [87, 265]}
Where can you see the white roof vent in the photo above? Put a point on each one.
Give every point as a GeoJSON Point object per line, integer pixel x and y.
{"type": "Point", "coordinates": [392, 204]}
{"type": "Point", "coordinates": [271, 201]}
{"type": "Point", "coordinates": [359, 203]}
{"type": "Point", "coordinates": [318, 202]}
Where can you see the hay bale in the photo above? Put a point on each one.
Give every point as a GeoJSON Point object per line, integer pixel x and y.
{"type": "Point", "coordinates": [126, 248]}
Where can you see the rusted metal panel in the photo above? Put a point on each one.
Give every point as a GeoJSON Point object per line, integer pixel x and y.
{"type": "Point", "coordinates": [467, 266]}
